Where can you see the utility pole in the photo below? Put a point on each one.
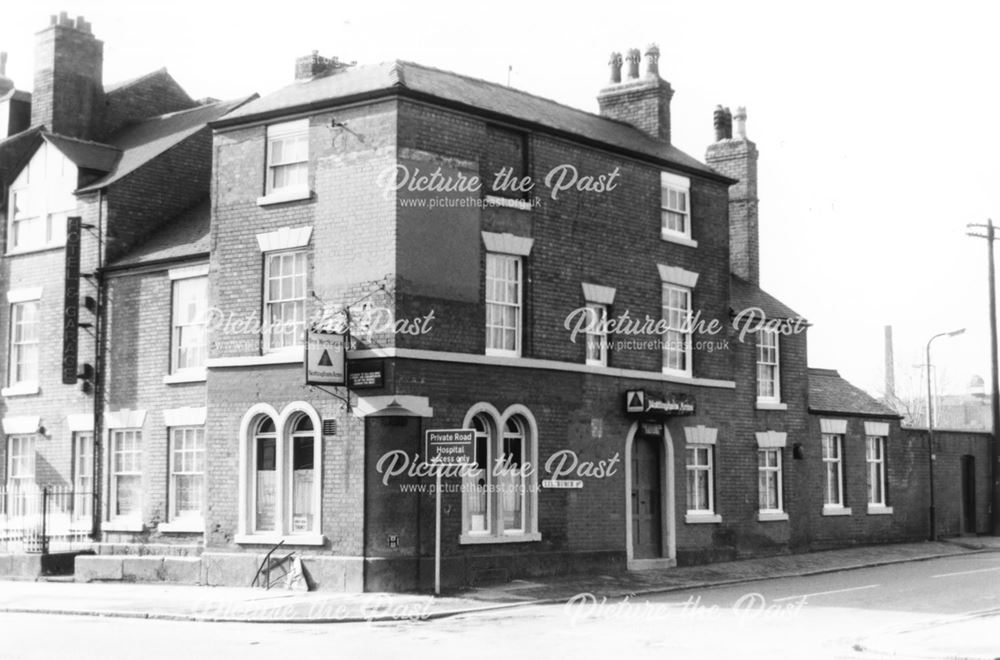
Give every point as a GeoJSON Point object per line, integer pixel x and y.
{"type": "Point", "coordinates": [990, 236]}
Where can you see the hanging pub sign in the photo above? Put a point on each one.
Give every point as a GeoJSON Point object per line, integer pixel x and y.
{"type": "Point", "coordinates": [325, 358]}
{"type": "Point", "coordinates": [641, 402]}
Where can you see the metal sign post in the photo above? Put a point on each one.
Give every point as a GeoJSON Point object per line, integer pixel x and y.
{"type": "Point", "coordinates": [445, 447]}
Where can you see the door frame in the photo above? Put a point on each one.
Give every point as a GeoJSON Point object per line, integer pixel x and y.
{"type": "Point", "coordinates": [668, 523]}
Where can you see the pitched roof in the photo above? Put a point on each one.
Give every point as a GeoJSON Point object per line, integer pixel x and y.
{"type": "Point", "coordinates": [744, 295]}
{"type": "Point", "coordinates": [15, 151]}
{"type": "Point", "coordinates": [84, 153]}
{"type": "Point", "coordinates": [182, 237]}
{"type": "Point", "coordinates": [830, 393]}
{"type": "Point", "coordinates": [143, 141]}
{"type": "Point", "coordinates": [399, 76]}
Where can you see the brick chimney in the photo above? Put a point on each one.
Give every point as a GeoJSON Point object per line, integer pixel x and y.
{"type": "Point", "coordinates": [69, 92]}
{"type": "Point", "coordinates": [643, 101]}
{"type": "Point", "coordinates": [315, 65]}
{"type": "Point", "coordinates": [733, 155]}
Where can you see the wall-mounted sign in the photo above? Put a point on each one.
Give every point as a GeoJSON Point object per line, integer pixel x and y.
{"type": "Point", "coordinates": [639, 402]}
{"type": "Point", "coordinates": [562, 483]}
{"type": "Point", "coordinates": [366, 375]}
{"type": "Point", "coordinates": [71, 302]}
{"type": "Point", "coordinates": [450, 446]}
{"type": "Point", "coordinates": [325, 358]}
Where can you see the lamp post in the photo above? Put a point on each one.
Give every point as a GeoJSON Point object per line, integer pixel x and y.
{"type": "Point", "coordinates": [991, 235]}
{"type": "Point", "coordinates": [930, 430]}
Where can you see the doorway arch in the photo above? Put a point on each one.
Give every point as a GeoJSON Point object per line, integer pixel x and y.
{"type": "Point", "coordinates": [668, 522]}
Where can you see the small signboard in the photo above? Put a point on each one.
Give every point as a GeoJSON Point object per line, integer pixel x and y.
{"type": "Point", "coordinates": [71, 301]}
{"type": "Point", "coordinates": [325, 358]}
{"type": "Point", "coordinates": [640, 402]}
{"type": "Point", "coordinates": [450, 446]}
{"type": "Point", "coordinates": [366, 375]}
{"type": "Point", "coordinates": [562, 483]}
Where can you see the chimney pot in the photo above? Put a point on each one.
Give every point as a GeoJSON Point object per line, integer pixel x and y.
{"type": "Point", "coordinates": [740, 123]}
{"type": "Point", "coordinates": [719, 123]}
{"type": "Point", "coordinates": [615, 63]}
{"type": "Point", "coordinates": [729, 123]}
{"type": "Point", "coordinates": [633, 58]}
{"type": "Point", "coordinates": [3, 64]}
{"type": "Point", "coordinates": [653, 60]}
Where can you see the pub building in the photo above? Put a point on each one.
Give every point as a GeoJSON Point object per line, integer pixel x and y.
{"type": "Point", "coordinates": [392, 249]}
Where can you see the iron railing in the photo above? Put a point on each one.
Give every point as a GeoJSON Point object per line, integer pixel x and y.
{"type": "Point", "coordinates": [44, 519]}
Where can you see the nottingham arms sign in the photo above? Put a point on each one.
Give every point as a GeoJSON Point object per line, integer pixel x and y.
{"type": "Point", "coordinates": [643, 403]}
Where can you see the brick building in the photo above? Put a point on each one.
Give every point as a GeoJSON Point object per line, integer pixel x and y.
{"type": "Point", "coordinates": [128, 159]}
{"type": "Point", "coordinates": [571, 287]}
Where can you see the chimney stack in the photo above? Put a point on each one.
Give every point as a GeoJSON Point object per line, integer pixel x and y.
{"type": "Point", "coordinates": [68, 96]}
{"type": "Point", "coordinates": [736, 157]}
{"type": "Point", "coordinates": [315, 65]}
{"type": "Point", "coordinates": [642, 102]}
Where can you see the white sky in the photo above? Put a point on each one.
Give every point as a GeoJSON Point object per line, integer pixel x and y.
{"type": "Point", "coordinates": [876, 123]}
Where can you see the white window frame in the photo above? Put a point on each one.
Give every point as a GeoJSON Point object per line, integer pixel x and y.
{"type": "Point", "coordinates": [21, 460]}
{"type": "Point", "coordinates": [299, 336]}
{"type": "Point", "coordinates": [768, 366]}
{"type": "Point", "coordinates": [675, 201]}
{"type": "Point", "coordinates": [114, 473]}
{"type": "Point", "coordinates": [283, 133]}
{"type": "Point", "coordinates": [698, 468]}
{"type": "Point", "coordinates": [494, 259]}
{"type": "Point", "coordinates": [495, 480]}
{"type": "Point", "coordinates": [186, 434]}
{"type": "Point", "coordinates": [597, 315]}
{"type": "Point", "coordinates": [283, 436]}
{"type": "Point", "coordinates": [18, 349]}
{"type": "Point", "coordinates": [83, 476]}
{"type": "Point", "coordinates": [770, 474]}
{"type": "Point", "coordinates": [674, 335]}
{"type": "Point", "coordinates": [876, 469]}
{"type": "Point", "coordinates": [835, 463]}
{"type": "Point", "coordinates": [177, 328]}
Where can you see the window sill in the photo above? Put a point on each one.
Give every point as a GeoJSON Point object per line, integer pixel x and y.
{"type": "Point", "coordinates": [122, 525]}
{"type": "Point", "coordinates": [596, 363]}
{"type": "Point", "coordinates": [771, 405]}
{"type": "Point", "coordinates": [702, 518]}
{"type": "Point", "coordinates": [188, 525]}
{"type": "Point", "coordinates": [675, 373]}
{"type": "Point", "coordinates": [293, 356]}
{"type": "Point", "coordinates": [771, 516]}
{"type": "Point", "coordinates": [480, 539]}
{"type": "Point", "coordinates": [21, 389]}
{"type": "Point", "coordinates": [282, 196]}
{"type": "Point", "coordinates": [879, 510]}
{"type": "Point", "coordinates": [679, 239]}
{"type": "Point", "coordinates": [836, 511]}
{"type": "Point", "coordinates": [13, 252]}
{"type": "Point", "coordinates": [496, 352]}
{"type": "Point", "coordinates": [509, 202]}
{"type": "Point", "coordinates": [275, 539]}
{"type": "Point", "coordinates": [191, 376]}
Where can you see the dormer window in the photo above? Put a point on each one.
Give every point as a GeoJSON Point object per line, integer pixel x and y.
{"type": "Point", "coordinates": [41, 198]}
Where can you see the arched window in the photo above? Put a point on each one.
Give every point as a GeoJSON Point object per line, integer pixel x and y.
{"type": "Point", "coordinates": [498, 494]}
{"type": "Point", "coordinates": [265, 476]}
{"type": "Point", "coordinates": [281, 481]}
{"type": "Point", "coordinates": [477, 511]}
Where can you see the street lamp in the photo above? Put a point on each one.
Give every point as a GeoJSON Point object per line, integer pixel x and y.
{"type": "Point", "coordinates": [930, 428]}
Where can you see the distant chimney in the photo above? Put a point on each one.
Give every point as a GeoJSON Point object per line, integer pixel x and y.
{"type": "Point", "coordinates": [68, 96]}
{"type": "Point", "coordinates": [642, 102]}
{"type": "Point", "coordinates": [890, 368]}
{"type": "Point", "coordinates": [314, 65]}
{"type": "Point", "coordinates": [6, 84]}
{"type": "Point", "coordinates": [736, 157]}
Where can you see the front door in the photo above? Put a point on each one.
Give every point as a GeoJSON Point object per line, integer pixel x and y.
{"type": "Point", "coordinates": [968, 494]}
{"type": "Point", "coordinates": [647, 535]}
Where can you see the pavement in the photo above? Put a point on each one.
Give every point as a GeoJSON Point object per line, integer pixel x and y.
{"type": "Point", "coordinates": [217, 604]}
